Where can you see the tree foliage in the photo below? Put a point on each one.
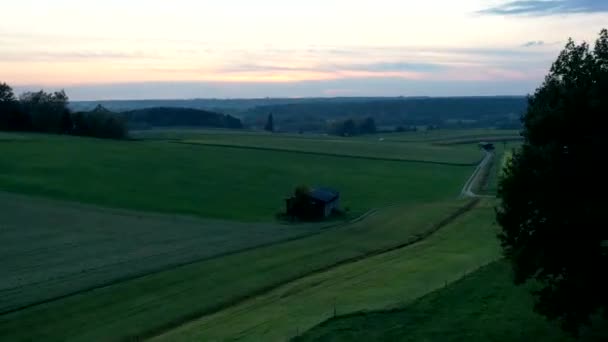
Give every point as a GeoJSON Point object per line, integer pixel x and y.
{"type": "Point", "coordinates": [46, 110]}
{"type": "Point", "coordinates": [6, 93]}
{"type": "Point", "coordinates": [11, 116]}
{"type": "Point", "coordinates": [554, 189]}
{"type": "Point", "coordinates": [49, 113]}
{"type": "Point", "coordinates": [171, 116]}
{"type": "Point", "coordinates": [99, 123]}
{"type": "Point", "coordinates": [351, 127]}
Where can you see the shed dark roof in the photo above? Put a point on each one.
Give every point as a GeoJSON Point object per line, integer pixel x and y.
{"type": "Point", "coordinates": [324, 194]}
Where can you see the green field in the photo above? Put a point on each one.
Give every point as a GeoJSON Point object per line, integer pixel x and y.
{"type": "Point", "coordinates": [433, 146]}
{"type": "Point", "coordinates": [142, 305]}
{"type": "Point", "coordinates": [484, 306]}
{"type": "Point", "coordinates": [213, 182]}
{"type": "Point", "coordinates": [371, 148]}
{"type": "Point", "coordinates": [383, 281]}
{"type": "Point", "coordinates": [122, 261]}
{"type": "Point", "coordinates": [67, 247]}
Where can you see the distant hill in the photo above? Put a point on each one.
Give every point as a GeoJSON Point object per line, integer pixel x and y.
{"type": "Point", "coordinates": [168, 117]}
{"type": "Point", "coordinates": [313, 114]}
{"type": "Point", "coordinates": [467, 111]}
{"type": "Point", "coordinates": [220, 105]}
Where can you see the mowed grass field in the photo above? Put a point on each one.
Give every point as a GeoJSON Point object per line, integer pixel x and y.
{"type": "Point", "coordinates": [163, 300]}
{"type": "Point", "coordinates": [212, 182]}
{"type": "Point", "coordinates": [383, 281]}
{"type": "Point", "coordinates": [52, 248]}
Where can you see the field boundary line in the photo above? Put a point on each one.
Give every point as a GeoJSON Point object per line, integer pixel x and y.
{"type": "Point", "coordinates": [197, 315]}
{"type": "Point", "coordinates": [325, 154]}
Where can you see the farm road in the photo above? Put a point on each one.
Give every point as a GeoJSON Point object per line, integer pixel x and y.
{"type": "Point", "coordinates": [467, 190]}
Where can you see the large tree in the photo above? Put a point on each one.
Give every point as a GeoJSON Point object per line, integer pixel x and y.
{"type": "Point", "coordinates": [6, 93]}
{"type": "Point", "coordinates": [48, 111]}
{"type": "Point", "coordinates": [11, 117]}
{"type": "Point", "coordinates": [553, 193]}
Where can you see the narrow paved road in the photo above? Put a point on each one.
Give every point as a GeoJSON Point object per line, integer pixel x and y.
{"type": "Point", "coordinates": [467, 190]}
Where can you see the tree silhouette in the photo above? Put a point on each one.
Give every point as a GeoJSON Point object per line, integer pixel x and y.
{"type": "Point", "coordinates": [269, 124]}
{"type": "Point", "coordinates": [6, 93]}
{"type": "Point", "coordinates": [554, 189]}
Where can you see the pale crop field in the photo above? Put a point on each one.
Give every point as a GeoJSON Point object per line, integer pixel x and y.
{"type": "Point", "coordinates": [52, 248]}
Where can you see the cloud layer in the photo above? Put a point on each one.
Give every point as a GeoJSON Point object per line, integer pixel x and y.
{"type": "Point", "coordinates": [548, 7]}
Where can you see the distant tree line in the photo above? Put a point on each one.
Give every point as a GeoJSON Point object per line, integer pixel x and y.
{"type": "Point", "coordinates": [99, 123]}
{"type": "Point", "coordinates": [173, 116]}
{"type": "Point", "coordinates": [49, 113]}
{"type": "Point", "coordinates": [500, 112]}
{"type": "Point", "coordinates": [401, 128]}
{"type": "Point", "coordinates": [352, 127]}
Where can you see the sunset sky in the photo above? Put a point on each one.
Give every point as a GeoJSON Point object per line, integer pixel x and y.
{"type": "Point", "coordinates": [134, 49]}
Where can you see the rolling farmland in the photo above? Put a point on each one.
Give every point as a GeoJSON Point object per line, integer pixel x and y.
{"type": "Point", "coordinates": [211, 182]}
{"type": "Point", "coordinates": [106, 249]}
{"type": "Point", "coordinates": [175, 295]}
{"type": "Point", "coordinates": [69, 247]}
{"type": "Point", "coordinates": [383, 281]}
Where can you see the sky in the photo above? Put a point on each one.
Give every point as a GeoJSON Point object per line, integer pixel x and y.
{"type": "Point", "coordinates": [152, 49]}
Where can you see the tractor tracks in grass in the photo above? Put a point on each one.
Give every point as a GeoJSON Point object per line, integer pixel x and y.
{"type": "Point", "coordinates": [471, 204]}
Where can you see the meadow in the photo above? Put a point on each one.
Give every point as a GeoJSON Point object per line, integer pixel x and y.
{"type": "Point", "coordinates": [163, 300]}
{"type": "Point", "coordinates": [175, 233]}
{"type": "Point", "coordinates": [483, 306]}
{"type": "Point", "coordinates": [440, 146]}
{"type": "Point", "coordinates": [210, 181]}
{"type": "Point", "coordinates": [383, 281]}
{"type": "Point", "coordinates": [376, 148]}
